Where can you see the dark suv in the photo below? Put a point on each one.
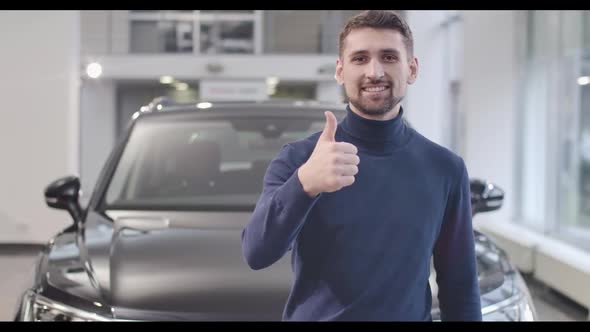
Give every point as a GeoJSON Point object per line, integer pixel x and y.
{"type": "Point", "coordinates": [160, 237]}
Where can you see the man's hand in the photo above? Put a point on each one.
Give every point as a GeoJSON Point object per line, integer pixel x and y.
{"type": "Point", "coordinates": [332, 165]}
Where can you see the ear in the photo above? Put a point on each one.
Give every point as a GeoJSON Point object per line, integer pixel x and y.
{"type": "Point", "coordinates": [413, 70]}
{"type": "Point", "coordinates": [338, 74]}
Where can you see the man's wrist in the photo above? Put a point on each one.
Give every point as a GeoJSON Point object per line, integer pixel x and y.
{"type": "Point", "coordinates": [302, 179]}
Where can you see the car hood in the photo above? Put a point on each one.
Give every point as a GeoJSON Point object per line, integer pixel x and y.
{"type": "Point", "coordinates": [188, 265]}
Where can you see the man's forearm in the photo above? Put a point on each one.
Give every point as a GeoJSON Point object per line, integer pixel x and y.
{"type": "Point", "coordinates": [275, 223]}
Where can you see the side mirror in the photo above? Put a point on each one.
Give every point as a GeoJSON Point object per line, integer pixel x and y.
{"type": "Point", "coordinates": [63, 194]}
{"type": "Point", "coordinates": [485, 196]}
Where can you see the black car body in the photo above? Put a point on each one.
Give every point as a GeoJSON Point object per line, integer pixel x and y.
{"type": "Point", "coordinates": [160, 237]}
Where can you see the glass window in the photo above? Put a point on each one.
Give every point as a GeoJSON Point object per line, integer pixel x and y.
{"type": "Point", "coordinates": [161, 36]}
{"type": "Point", "coordinates": [227, 37]}
{"type": "Point", "coordinates": [293, 32]}
{"type": "Point", "coordinates": [186, 162]}
{"type": "Point", "coordinates": [555, 127]}
{"type": "Point", "coordinates": [304, 31]}
{"type": "Point", "coordinates": [574, 175]}
{"type": "Point", "coordinates": [215, 32]}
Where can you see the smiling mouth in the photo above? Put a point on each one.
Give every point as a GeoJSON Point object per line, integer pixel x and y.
{"type": "Point", "coordinates": [374, 89]}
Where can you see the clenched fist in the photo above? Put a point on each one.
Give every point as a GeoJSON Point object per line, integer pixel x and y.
{"type": "Point", "coordinates": [332, 165]}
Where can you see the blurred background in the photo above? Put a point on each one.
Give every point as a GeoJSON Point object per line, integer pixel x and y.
{"type": "Point", "coordinates": [509, 91]}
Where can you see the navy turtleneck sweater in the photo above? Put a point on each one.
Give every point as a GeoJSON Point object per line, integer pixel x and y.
{"type": "Point", "coordinates": [364, 252]}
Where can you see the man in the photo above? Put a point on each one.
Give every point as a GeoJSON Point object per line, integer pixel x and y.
{"type": "Point", "coordinates": [366, 203]}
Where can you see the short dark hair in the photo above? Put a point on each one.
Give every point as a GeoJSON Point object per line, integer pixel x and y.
{"type": "Point", "coordinates": [378, 19]}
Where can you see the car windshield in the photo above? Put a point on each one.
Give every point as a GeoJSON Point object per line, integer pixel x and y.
{"type": "Point", "coordinates": [201, 164]}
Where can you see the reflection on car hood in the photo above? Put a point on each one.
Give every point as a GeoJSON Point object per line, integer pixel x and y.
{"type": "Point", "coordinates": [188, 265]}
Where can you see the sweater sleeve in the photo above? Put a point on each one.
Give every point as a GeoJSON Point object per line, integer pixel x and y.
{"type": "Point", "coordinates": [279, 214]}
{"type": "Point", "coordinates": [454, 257]}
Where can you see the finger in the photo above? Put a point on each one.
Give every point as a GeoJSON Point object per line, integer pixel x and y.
{"type": "Point", "coordinates": [348, 159]}
{"type": "Point", "coordinates": [346, 180]}
{"type": "Point", "coordinates": [348, 170]}
{"type": "Point", "coordinates": [345, 147]}
{"type": "Point", "coordinates": [329, 133]}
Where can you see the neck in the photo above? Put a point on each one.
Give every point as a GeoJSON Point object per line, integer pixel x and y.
{"type": "Point", "coordinates": [381, 117]}
{"type": "Point", "coordinates": [376, 136]}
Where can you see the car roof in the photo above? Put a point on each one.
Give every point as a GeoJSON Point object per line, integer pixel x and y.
{"type": "Point", "coordinates": [278, 107]}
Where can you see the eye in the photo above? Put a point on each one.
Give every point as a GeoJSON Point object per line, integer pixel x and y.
{"type": "Point", "coordinates": [358, 58]}
{"type": "Point", "coordinates": [390, 58]}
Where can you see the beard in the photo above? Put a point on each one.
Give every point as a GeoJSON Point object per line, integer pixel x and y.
{"type": "Point", "coordinates": [372, 107]}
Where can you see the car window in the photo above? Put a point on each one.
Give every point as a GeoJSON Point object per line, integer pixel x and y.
{"type": "Point", "coordinates": [196, 164]}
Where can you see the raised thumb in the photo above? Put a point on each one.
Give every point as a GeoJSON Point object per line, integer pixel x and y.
{"type": "Point", "coordinates": [329, 132]}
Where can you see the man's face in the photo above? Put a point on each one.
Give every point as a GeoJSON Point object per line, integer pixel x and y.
{"type": "Point", "coordinates": [375, 70]}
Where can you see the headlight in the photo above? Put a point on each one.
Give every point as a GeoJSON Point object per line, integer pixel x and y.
{"type": "Point", "coordinates": [514, 309]}
{"type": "Point", "coordinates": [39, 308]}
{"type": "Point", "coordinates": [519, 307]}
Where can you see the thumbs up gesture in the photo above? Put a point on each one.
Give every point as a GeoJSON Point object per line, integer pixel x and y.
{"type": "Point", "coordinates": [332, 165]}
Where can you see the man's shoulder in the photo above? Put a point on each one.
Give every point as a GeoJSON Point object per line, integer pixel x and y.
{"type": "Point", "coordinates": [438, 154]}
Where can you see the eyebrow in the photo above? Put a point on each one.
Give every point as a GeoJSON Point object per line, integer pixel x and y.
{"type": "Point", "coordinates": [385, 50]}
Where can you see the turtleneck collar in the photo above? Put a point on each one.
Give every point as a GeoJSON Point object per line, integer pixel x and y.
{"type": "Point", "coordinates": [376, 136]}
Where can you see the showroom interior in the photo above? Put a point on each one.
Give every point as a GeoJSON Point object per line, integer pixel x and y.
{"type": "Point", "coordinates": [507, 90]}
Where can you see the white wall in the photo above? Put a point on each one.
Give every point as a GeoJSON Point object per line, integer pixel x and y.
{"type": "Point", "coordinates": [487, 75]}
{"type": "Point", "coordinates": [97, 135]}
{"type": "Point", "coordinates": [95, 27]}
{"type": "Point", "coordinates": [432, 102]}
{"type": "Point", "coordinates": [104, 32]}
{"type": "Point", "coordinates": [120, 31]}
{"type": "Point", "coordinates": [39, 63]}
{"type": "Point", "coordinates": [426, 100]}
{"type": "Point", "coordinates": [489, 97]}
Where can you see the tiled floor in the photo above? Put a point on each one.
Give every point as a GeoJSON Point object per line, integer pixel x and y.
{"type": "Point", "coordinates": [16, 264]}
{"type": "Point", "coordinates": [552, 306]}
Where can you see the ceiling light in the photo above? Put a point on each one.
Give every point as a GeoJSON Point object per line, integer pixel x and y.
{"type": "Point", "coordinates": [181, 86]}
{"type": "Point", "coordinates": [272, 80]}
{"type": "Point", "coordinates": [166, 79]}
{"type": "Point", "coordinates": [94, 70]}
{"type": "Point", "coordinates": [584, 80]}
{"type": "Point", "coordinates": [204, 105]}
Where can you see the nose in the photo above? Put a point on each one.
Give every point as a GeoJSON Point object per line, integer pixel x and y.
{"type": "Point", "coordinates": [375, 70]}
